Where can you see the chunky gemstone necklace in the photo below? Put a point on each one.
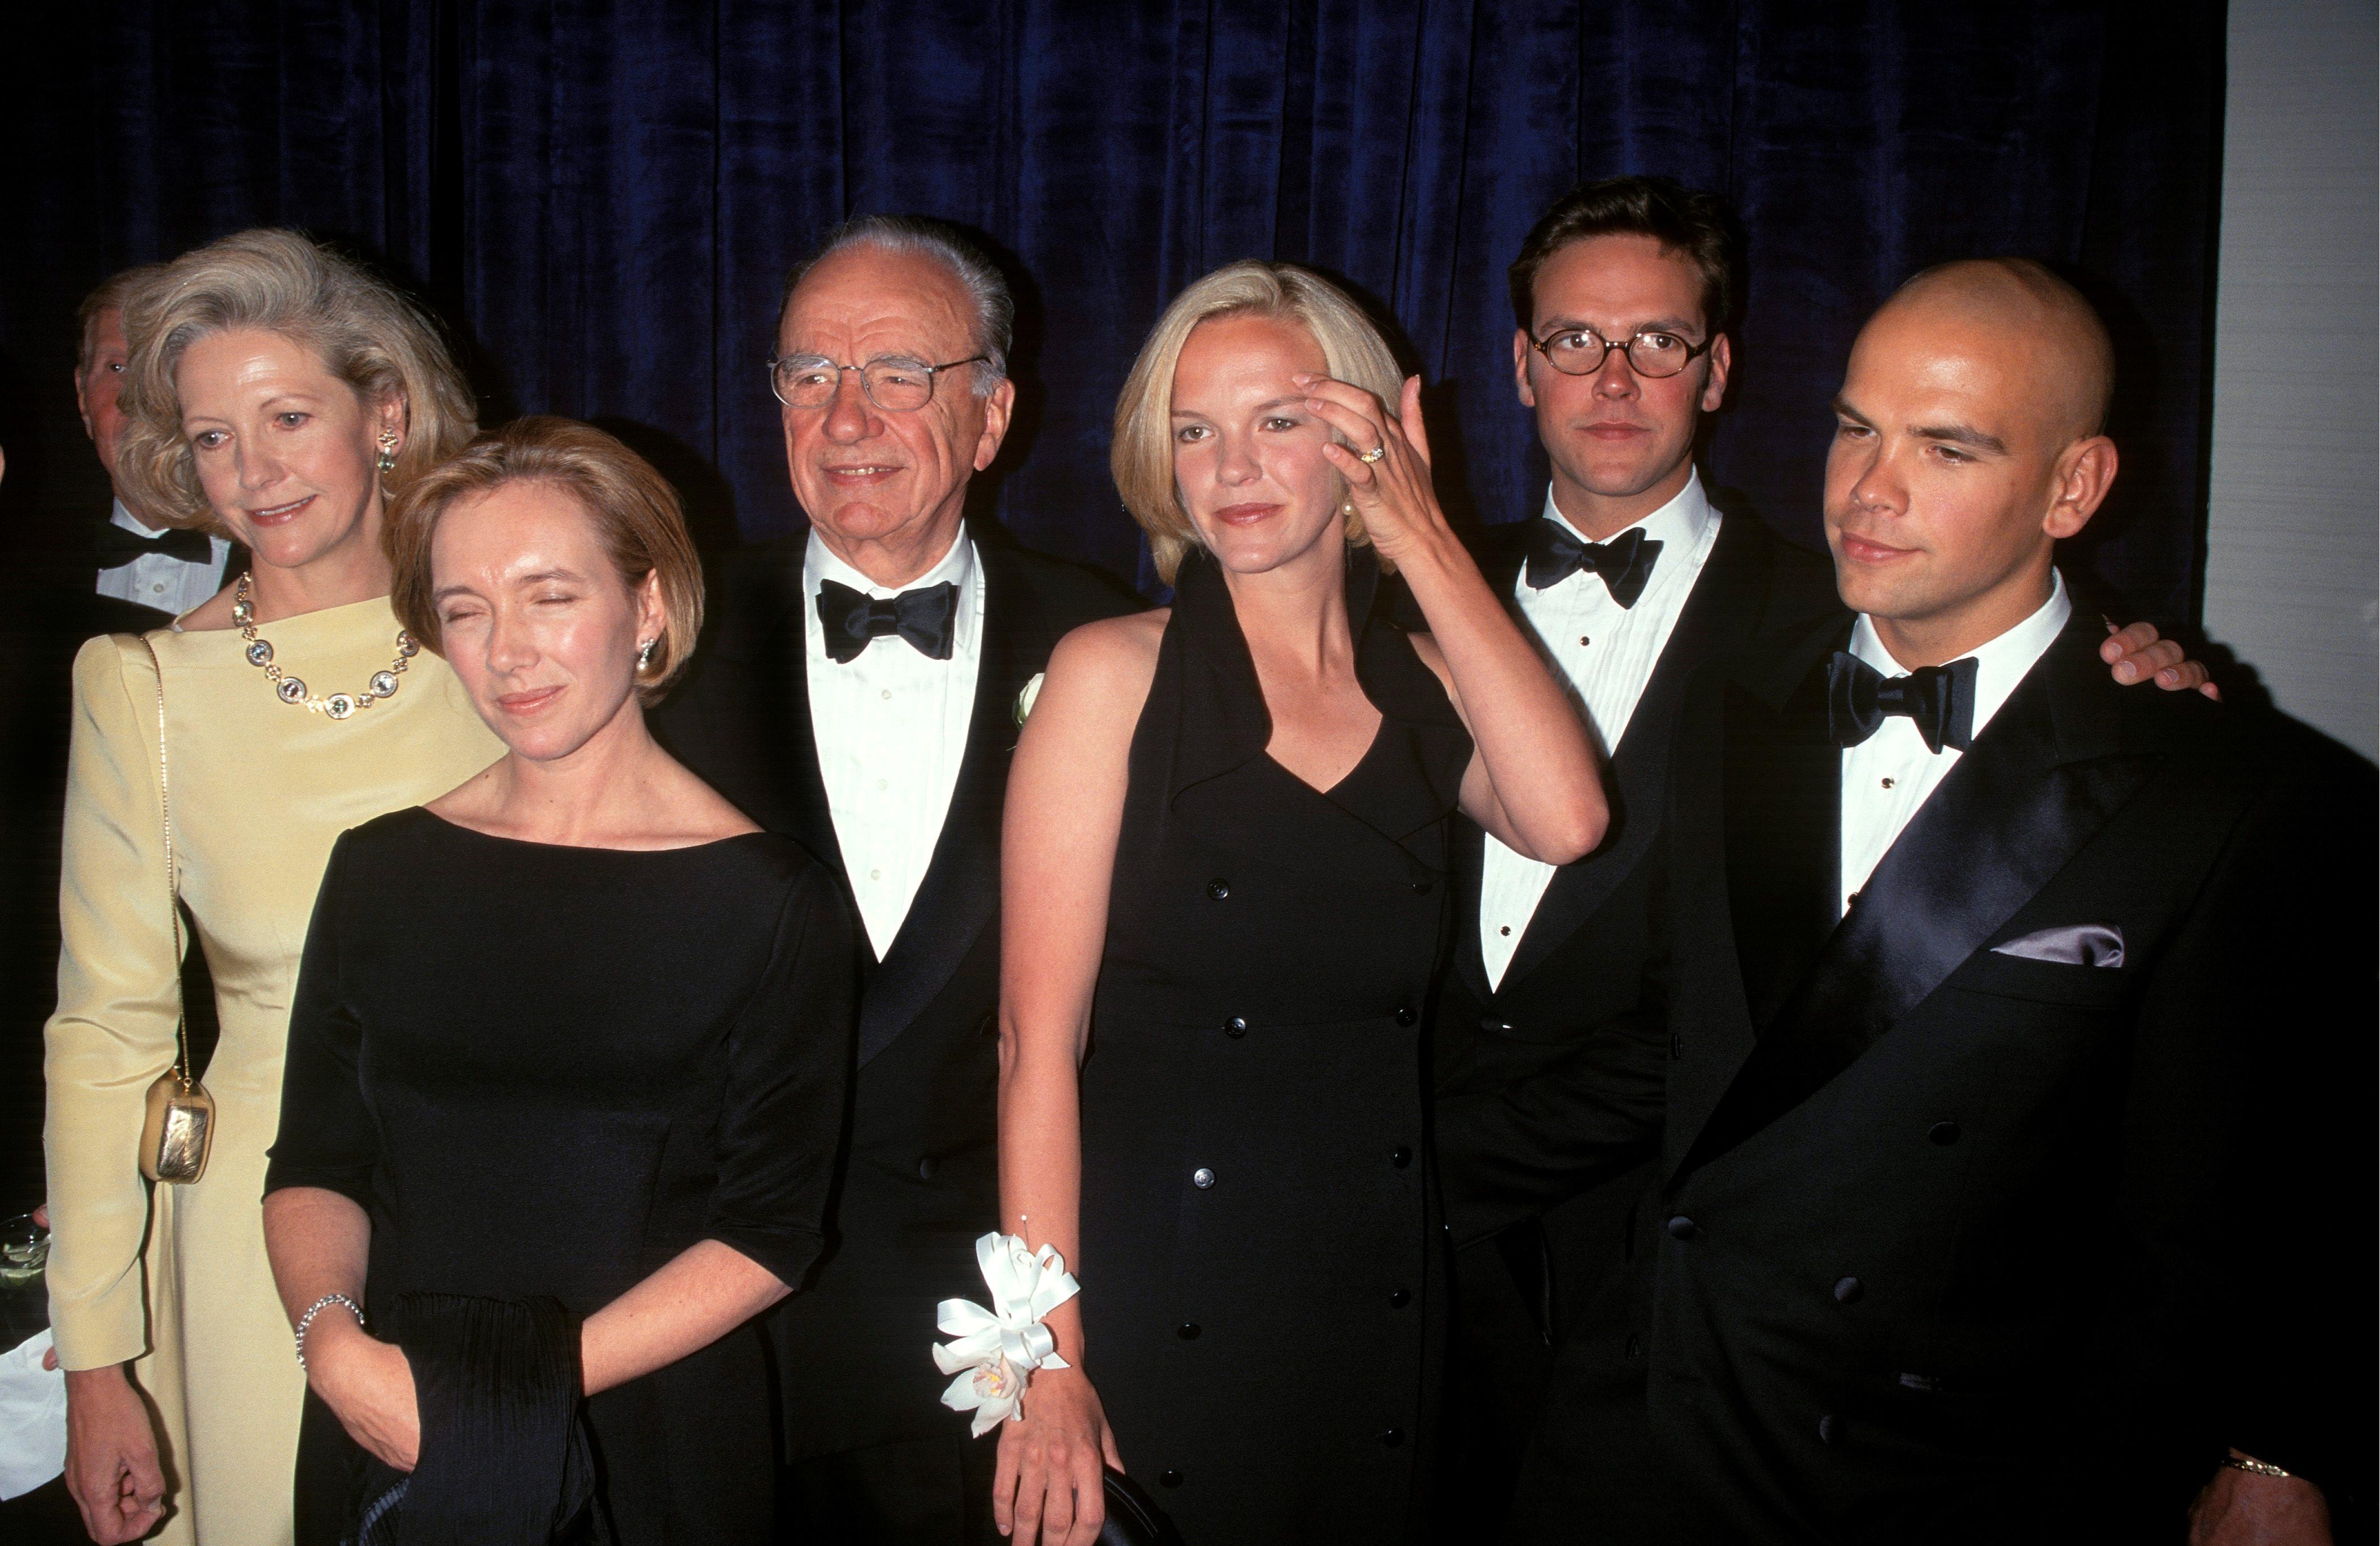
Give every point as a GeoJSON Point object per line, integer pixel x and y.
{"type": "Point", "coordinates": [338, 706]}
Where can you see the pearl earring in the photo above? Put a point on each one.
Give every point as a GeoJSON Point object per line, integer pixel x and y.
{"type": "Point", "coordinates": [645, 654]}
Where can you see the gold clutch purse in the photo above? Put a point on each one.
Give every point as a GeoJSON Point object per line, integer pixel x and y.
{"type": "Point", "coordinates": [179, 1125]}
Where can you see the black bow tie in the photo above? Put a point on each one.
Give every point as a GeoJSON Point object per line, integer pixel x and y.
{"type": "Point", "coordinates": [1626, 562]}
{"type": "Point", "coordinates": [1941, 700]}
{"type": "Point", "coordinates": [119, 547]}
{"type": "Point", "coordinates": [922, 617]}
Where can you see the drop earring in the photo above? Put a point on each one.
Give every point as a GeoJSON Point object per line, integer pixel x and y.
{"type": "Point", "coordinates": [645, 654]}
{"type": "Point", "coordinates": [387, 451]}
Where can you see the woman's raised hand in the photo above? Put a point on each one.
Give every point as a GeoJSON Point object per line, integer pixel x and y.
{"type": "Point", "coordinates": [1049, 1489]}
{"type": "Point", "coordinates": [368, 1384]}
{"type": "Point", "coordinates": [1392, 491]}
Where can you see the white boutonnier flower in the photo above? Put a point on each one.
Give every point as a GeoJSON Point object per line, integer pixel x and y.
{"type": "Point", "coordinates": [994, 1349]}
{"type": "Point", "coordinates": [1025, 696]}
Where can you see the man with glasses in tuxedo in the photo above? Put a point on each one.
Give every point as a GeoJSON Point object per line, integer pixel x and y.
{"type": "Point", "coordinates": [859, 694]}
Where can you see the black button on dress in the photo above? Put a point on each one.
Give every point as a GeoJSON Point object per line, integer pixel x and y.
{"type": "Point", "coordinates": [548, 1070]}
{"type": "Point", "coordinates": [1274, 1415]}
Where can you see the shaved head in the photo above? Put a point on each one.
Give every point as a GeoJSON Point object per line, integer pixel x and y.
{"type": "Point", "coordinates": [2074, 362]}
{"type": "Point", "coordinates": [1967, 444]}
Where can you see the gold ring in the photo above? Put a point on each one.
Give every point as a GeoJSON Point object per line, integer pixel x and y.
{"type": "Point", "coordinates": [1372, 455]}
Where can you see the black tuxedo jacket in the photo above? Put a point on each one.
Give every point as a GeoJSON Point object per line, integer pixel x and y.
{"type": "Point", "coordinates": [1556, 1074]}
{"type": "Point", "coordinates": [2007, 1202]}
{"type": "Point", "coordinates": [918, 1178]}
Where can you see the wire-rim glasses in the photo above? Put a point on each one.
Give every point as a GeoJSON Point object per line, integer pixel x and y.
{"type": "Point", "coordinates": [1653, 353]}
{"type": "Point", "coordinates": [895, 384]}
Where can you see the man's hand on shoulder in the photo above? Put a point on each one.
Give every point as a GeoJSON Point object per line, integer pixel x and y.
{"type": "Point", "coordinates": [2242, 1508]}
{"type": "Point", "coordinates": [2138, 655]}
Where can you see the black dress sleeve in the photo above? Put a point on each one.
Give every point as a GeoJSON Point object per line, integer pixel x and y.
{"type": "Point", "coordinates": [788, 1065]}
{"type": "Point", "coordinates": [327, 1137]}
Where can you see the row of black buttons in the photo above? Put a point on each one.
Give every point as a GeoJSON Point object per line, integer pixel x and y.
{"type": "Point", "coordinates": [1220, 889]}
{"type": "Point", "coordinates": [1203, 1176]}
{"type": "Point", "coordinates": [1495, 1027]}
{"type": "Point", "coordinates": [1237, 1025]}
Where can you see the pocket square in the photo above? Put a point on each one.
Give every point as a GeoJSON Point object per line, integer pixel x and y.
{"type": "Point", "coordinates": [2069, 945]}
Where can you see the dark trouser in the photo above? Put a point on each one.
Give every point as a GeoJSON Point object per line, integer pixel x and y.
{"type": "Point", "coordinates": [1499, 1358]}
{"type": "Point", "coordinates": [1591, 1473]}
{"type": "Point", "coordinates": [911, 1492]}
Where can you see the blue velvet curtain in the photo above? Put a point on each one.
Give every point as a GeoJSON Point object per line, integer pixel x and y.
{"type": "Point", "coordinates": [601, 198]}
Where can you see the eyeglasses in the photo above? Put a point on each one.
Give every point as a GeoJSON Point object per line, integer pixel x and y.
{"type": "Point", "coordinates": [895, 385]}
{"type": "Point", "coordinates": [1653, 353]}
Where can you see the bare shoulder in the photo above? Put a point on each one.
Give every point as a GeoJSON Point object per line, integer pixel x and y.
{"type": "Point", "coordinates": [1098, 680]}
{"type": "Point", "coordinates": [1108, 663]}
{"type": "Point", "coordinates": [1114, 644]}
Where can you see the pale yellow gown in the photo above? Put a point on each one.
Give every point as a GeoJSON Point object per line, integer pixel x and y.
{"type": "Point", "coordinates": [260, 789]}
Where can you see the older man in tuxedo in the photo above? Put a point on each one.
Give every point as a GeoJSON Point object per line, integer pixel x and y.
{"type": "Point", "coordinates": [1551, 1053]}
{"type": "Point", "coordinates": [153, 573]}
{"type": "Point", "coordinates": [2015, 1180]}
{"type": "Point", "coordinates": [859, 694]}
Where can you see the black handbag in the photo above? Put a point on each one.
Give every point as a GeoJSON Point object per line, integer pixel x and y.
{"type": "Point", "coordinates": [1134, 1519]}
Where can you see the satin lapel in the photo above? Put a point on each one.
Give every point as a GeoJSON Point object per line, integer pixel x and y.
{"type": "Point", "coordinates": [2038, 783]}
{"type": "Point", "coordinates": [1717, 616]}
{"type": "Point", "coordinates": [775, 661]}
{"type": "Point", "coordinates": [960, 894]}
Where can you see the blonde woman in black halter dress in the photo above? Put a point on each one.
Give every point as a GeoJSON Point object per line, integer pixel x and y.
{"type": "Point", "coordinates": [1224, 902]}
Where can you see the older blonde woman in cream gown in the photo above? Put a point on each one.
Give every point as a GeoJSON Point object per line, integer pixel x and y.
{"type": "Point", "coordinates": [279, 392]}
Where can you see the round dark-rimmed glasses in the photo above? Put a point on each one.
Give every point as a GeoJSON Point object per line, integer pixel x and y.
{"type": "Point", "coordinates": [1652, 353]}
{"type": "Point", "coordinates": [893, 383]}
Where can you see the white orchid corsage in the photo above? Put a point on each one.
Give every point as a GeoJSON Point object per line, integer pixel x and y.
{"type": "Point", "coordinates": [1025, 696]}
{"type": "Point", "coordinates": [994, 1349]}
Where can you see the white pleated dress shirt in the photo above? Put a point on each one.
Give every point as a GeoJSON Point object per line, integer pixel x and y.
{"type": "Point", "coordinates": [891, 730]}
{"type": "Point", "coordinates": [1886, 777]}
{"type": "Point", "coordinates": [1606, 653]}
{"type": "Point", "coordinates": [158, 580]}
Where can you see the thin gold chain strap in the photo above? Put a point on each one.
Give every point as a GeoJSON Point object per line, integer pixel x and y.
{"type": "Point", "coordinates": [172, 889]}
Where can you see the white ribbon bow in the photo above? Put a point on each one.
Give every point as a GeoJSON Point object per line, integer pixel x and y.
{"type": "Point", "coordinates": [994, 1349]}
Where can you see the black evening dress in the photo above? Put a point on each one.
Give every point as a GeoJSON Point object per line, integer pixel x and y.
{"type": "Point", "coordinates": [544, 1071]}
{"type": "Point", "coordinates": [1260, 1287]}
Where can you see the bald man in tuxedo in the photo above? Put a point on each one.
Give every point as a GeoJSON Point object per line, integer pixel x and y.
{"type": "Point", "coordinates": [2015, 1180]}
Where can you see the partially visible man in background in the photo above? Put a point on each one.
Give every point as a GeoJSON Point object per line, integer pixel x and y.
{"type": "Point", "coordinates": [163, 571]}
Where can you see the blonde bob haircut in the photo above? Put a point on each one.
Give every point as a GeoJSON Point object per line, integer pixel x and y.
{"type": "Point", "coordinates": [370, 336]}
{"type": "Point", "coordinates": [635, 512]}
{"type": "Point", "coordinates": [1142, 452]}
